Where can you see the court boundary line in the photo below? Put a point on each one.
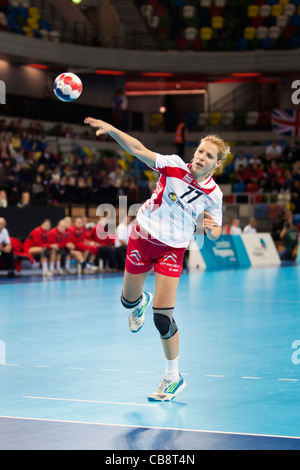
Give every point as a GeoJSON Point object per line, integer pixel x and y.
{"type": "Point", "coordinates": [149, 427]}
{"type": "Point", "coordinates": [90, 401]}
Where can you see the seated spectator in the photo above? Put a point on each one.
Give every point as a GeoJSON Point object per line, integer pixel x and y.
{"type": "Point", "coordinates": [117, 176]}
{"type": "Point", "coordinates": [296, 171]}
{"type": "Point", "coordinates": [242, 174]}
{"type": "Point", "coordinates": [16, 141]}
{"type": "Point", "coordinates": [37, 245]}
{"type": "Point", "coordinates": [295, 196]}
{"type": "Point", "coordinates": [273, 152]}
{"type": "Point", "coordinates": [289, 180]}
{"type": "Point", "coordinates": [19, 156]}
{"type": "Point", "coordinates": [3, 198]}
{"type": "Point", "coordinates": [56, 189]}
{"type": "Point", "coordinates": [291, 152]}
{"type": "Point", "coordinates": [25, 200]}
{"type": "Point", "coordinates": [35, 143]}
{"type": "Point", "coordinates": [255, 160]}
{"type": "Point", "coordinates": [289, 237]}
{"type": "Point", "coordinates": [6, 253]}
{"type": "Point", "coordinates": [251, 227]}
{"type": "Point", "coordinates": [71, 192]}
{"type": "Point", "coordinates": [226, 227]}
{"type": "Point", "coordinates": [235, 228]}
{"type": "Point", "coordinates": [273, 169]}
{"type": "Point", "coordinates": [38, 190]}
{"type": "Point", "coordinates": [48, 158]}
{"type": "Point", "coordinates": [240, 161]}
{"type": "Point", "coordinates": [255, 173]}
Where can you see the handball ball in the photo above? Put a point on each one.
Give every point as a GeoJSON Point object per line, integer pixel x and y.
{"type": "Point", "coordinates": [67, 87]}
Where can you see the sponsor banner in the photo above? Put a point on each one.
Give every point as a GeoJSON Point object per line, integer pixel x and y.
{"type": "Point", "coordinates": [228, 252]}
{"type": "Point", "coordinates": [261, 249]}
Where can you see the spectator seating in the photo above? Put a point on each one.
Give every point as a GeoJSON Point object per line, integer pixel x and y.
{"type": "Point", "coordinates": [223, 24]}
{"type": "Point", "coordinates": [19, 17]}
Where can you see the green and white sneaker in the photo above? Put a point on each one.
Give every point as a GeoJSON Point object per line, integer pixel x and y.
{"type": "Point", "coordinates": [167, 389]}
{"type": "Point", "coordinates": [137, 316]}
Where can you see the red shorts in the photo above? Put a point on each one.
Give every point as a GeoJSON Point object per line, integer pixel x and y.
{"type": "Point", "coordinates": [145, 252]}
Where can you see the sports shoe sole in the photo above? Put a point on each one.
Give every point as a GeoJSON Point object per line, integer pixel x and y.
{"type": "Point", "coordinates": [166, 396]}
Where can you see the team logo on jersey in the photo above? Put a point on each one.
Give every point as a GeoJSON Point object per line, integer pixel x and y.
{"type": "Point", "coordinates": [171, 257]}
{"type": "Point", "coordinates": [135, 254]}
{"type": "Point", "coordinates": [173, 197]}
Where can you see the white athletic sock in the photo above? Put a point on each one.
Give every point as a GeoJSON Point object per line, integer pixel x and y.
{"type": "Point", "coordinates": [171, 371]}
{"type": "Point", "coordinates": [44, 266]}
{"type": "Point", "coordinates": [51, 266]}
{"type": "Point", "coordinates": [58, 265]}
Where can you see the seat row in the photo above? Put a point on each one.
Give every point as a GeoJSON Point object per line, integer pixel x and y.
{"type": "Point", "coordinates": [22, 18]}
{"type": "Point", "coordinates": [261, 119]}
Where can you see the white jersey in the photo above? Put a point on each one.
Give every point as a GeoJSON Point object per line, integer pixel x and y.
{"type": "Point", "coordinates": [171, 214]}
{"type": "Point", "coordinates": [4, 237]}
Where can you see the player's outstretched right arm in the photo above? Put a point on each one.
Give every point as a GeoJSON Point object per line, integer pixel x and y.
{"type": "Point", "coordinates": [130, 144]}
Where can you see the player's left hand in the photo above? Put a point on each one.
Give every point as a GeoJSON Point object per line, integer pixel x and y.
{"type": "Point", "coordinates": [209, 222]}
{"type": "Point", "coordinates": [103, 127]}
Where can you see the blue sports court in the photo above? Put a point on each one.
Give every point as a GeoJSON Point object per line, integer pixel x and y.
{"type": "Point", "coordinates": [74, 377]}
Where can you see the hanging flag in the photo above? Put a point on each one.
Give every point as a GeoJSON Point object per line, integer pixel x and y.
{"type": "Point", "coordinates": [286, 121]}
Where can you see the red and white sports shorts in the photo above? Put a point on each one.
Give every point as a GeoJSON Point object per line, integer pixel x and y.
{"type": "Point", "coordinates": [145, 252]}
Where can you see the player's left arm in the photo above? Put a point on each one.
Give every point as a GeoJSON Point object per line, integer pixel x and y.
{"type": "Point", "coordinates": [212, 231]}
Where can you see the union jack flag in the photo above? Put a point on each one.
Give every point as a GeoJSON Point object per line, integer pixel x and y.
{"type": "Point", "coordinates": [286, 121]}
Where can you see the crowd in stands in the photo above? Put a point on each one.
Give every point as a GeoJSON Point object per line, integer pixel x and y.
{"type": "Point", "coordinates": [31, 174]}
{"type": "Point", "coordinates": [276, 170]}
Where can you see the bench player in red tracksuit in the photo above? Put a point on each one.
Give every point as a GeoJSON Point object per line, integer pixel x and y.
{"type": "Point", "coordinates": [80, 239]}
{"type": "Point", "coordinates": [37, 245]}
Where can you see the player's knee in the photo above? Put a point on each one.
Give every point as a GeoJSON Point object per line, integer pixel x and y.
{"type": "Point", "coordinates": [164, 322]}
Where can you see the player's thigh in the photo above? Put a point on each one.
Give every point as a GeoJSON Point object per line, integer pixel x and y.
{"type": "Point", "coordinates": [35, 250]}
{"type": "Point", "coordinates": [165, 292]}
{"type": "Point", "coordinates": [133, 285]}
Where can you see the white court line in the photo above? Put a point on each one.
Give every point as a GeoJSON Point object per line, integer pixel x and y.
{"type": "Point", "coordinates": [151, 372]}
{"type": "Point", "coordinates": [210, 375]}
{"type": "Point", "coordinates": [90, 401]}
{"type": "Point", "coordinates": [148, 427]}
{"type": "Point", "coordinates": [289, 380]}
{"type": "Point", "coordinates": [285, 301]}
{"type": "Point", "coordinates": [252, 378]}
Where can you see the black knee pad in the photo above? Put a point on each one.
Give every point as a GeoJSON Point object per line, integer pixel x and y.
{"type": "Point", "coordinates": [164, 322]}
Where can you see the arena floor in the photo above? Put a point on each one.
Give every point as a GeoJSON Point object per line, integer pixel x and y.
{"type": "Point", "coordinates": [74, 377]}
